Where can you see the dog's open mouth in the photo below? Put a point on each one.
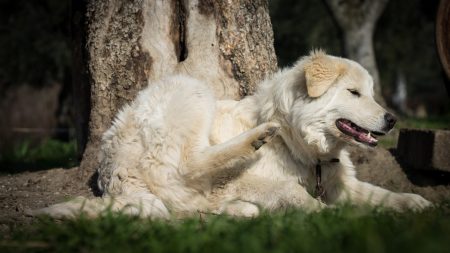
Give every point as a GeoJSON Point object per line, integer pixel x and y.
{"type": "Point", "coordinates": [358, 133]}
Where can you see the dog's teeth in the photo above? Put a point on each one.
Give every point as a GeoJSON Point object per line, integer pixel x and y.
{"type": "Point", "coordinates": [368, 135]}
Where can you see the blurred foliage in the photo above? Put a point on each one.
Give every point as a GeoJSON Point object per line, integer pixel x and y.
{"type": "Point", "coordinates": [340, 229]}
{"type": "Point", "coordinates": [34, 41]}
{"type": "Point", "coordinates": [404, 43]}
{"type": "Point", "coordinates": [442, 122]}
{"type": "Point", "coordinates": [48, 154]}
{"type": "Point", "coordinates": [300, 26]}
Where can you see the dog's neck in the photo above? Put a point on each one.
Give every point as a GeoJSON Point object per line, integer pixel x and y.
{"type": "Point", "coordinates": [309, 154]}
{"type": "Point", "coordinates": [272, 102]}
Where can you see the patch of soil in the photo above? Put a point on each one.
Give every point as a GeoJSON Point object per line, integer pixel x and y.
{"type": "Point", "coordinates": [378, 166]}
{"type": "Point", "coordinates": [22, 192]}
{"type": "Point", "coordinates": [26, 191]}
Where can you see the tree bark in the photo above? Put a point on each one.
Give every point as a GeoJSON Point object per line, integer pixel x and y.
{"type": "Point", "coordinates": [129, 43]}
{"type": "Point", "coordinates": [357, 20]}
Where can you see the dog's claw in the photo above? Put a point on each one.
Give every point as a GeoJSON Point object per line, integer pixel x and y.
{"type": "Point", "coordinates": [265, 137]}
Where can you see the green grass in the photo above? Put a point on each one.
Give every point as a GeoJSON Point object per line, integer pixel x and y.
{"type": "Point", "coordinates": [442, 122]}
{"type": "Point", "coordinates": [48, 154]}
{"type": "Point", "coordinates": [343, 229]}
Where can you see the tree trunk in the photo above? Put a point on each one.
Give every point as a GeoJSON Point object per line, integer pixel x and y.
{"type": "Point", "coordinates": [357, 20]}
{"type": "Point", "coordinates": [129, 43]}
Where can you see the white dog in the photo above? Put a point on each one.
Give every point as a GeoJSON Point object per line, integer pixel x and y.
{"type": "Point", "coordinates": [176, 150]}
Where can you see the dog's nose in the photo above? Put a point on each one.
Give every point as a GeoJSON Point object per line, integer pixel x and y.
{"type": "Point", "coordinates": [390, 121]}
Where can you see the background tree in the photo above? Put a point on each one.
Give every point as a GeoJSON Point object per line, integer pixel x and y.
{"type": "Point", "coordinates": [122, 45]}
{"type": "Point", "coordinates": [357, 20]}
{"type": "Point", "coordinates": [405, 46]}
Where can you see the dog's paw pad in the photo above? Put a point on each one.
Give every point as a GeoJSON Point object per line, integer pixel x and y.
{"type": "Point", "coordinates": [271, 129]}
{"type": "Point", "coordinates": [258, 143]}
{"type": "Point", "coordinates": [269, 133]}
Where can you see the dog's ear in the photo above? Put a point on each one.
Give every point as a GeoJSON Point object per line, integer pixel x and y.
{"type": "Point", "coordinates": [321, 71]}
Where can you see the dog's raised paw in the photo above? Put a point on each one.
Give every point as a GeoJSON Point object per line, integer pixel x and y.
{"type": "Point", "coordinates": [270, 130]}
{"type": "Point", "coordinates": [258, 143]}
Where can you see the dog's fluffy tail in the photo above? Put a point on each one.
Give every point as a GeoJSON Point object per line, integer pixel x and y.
{"type": "Point", "coordinates": [130, 205]}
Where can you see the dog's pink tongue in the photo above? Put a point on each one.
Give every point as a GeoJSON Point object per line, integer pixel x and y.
{"type": "Point", "coordinates": [364, 137]}
{"type": "Point", "coordinates": [348, 128]}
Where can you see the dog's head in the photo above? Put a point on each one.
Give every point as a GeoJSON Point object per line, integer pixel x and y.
{"type": "Point", "coordinates": [334, 104]}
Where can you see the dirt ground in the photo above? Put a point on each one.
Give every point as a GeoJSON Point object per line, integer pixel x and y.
{"type": "Point", "coordinates": [380, 167]}
{"type": "Point", "coordinates": [22, 192]}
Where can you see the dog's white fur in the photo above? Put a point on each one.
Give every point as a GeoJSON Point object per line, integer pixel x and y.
{"type": "Point", "coordinates": [175, 150]}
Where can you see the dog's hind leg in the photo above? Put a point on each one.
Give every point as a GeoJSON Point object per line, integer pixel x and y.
{"type": "Point", "coordinates": [142, 204]}
{"type": "Point", "coordinates": [200, 160]}
{"type": "Point", "coordinates": [240, 149]}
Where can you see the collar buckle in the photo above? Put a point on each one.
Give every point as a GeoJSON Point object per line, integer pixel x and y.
{"type": "Point", "coordinates": [319, 190]}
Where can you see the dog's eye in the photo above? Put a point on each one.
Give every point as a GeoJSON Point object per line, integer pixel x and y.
{"type": "Point", "coordinates": [354, 92]}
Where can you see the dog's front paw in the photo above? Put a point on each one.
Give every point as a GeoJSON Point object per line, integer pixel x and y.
{"type": "Point", "coordinates": [414, 202]}
{"type": "Point", "coordinates": [268, 131]}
